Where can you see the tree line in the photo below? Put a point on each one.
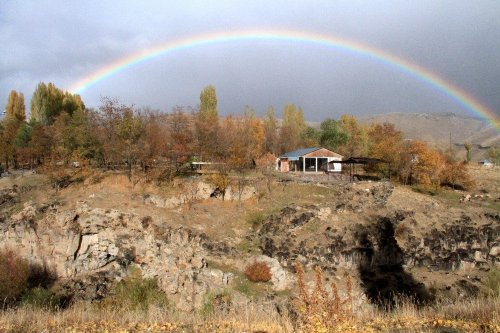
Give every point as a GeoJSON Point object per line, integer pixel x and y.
{"type": "Point", "coordinates": [62, 129]}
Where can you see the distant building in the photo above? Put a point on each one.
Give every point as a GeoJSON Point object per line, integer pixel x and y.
{"type": "Point", "coordinates": [315, 159]}
{"type": "Point", "coordinates": [486, 163]}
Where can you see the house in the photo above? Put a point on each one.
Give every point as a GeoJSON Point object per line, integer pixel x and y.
{"type": "Point", "coordinates": [486, 163]}
{"type": "Point", "coordinates": [315, 159]}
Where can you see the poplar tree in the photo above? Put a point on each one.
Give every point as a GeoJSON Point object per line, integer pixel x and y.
{"type": "Point", "coordinates": [207, 125]}
{"type": "Point", "coordinates": [293, 128]}
{"type": "Point", "coordinates": [15, 108]}
{"type": "Point", "coordinates": [48, 102]}
{"type": "Point", "coordinates": [271, 131]}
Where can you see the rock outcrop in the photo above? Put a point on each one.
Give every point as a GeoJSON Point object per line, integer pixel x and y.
{"type": "Point", "coordinates": [90, 248]}
{"type": "Point", "coordinates": [200, 191]}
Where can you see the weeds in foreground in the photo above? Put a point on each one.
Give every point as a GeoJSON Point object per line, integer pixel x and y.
{"type": "Point", "coordinates": [323, 308]}
{"type": "Point", "coordinates": [323, 311]}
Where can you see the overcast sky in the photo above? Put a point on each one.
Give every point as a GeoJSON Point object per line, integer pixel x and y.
{"type": "Point", "coordinates": [65, 41]}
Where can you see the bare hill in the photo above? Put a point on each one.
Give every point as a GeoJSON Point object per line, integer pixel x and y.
{"type": "Point", "coordinates": [437, 127]}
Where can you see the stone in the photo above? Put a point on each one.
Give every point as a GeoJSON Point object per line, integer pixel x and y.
{"type": "Point", "coordinates": [88, 247]}
{"type": "Point", "coordinates": [495, 251]}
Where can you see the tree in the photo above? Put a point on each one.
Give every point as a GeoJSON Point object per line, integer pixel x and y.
{"type": "Point", "coordinates": [292, 129]}
{"type": "Point", "coordinates": [41, 142]}
{"type": "Point", "coordinates": [48, 102]}
{"type": "Point", "coordinates": [494, 155]}
{"type": "Point", "coordinates": [181, 136]}
{"type": "Point", "coordinates": [428, 163]}
{"type": "Point", "coordinates": [357, 137]}
{"type": "Point", "coordinates": [22, 141]}
{"type": "Point", "coordinates": [129, 131]}
{"type": "Point", "coordinates": [456, 175]}
{"type": "Point", "coordinates": [253, 135]}
{"type": "Point", "coordinates": [86, 144]}
{"type": "Point", "coordinates": [207, 125]}
{"type": "Point", "coordinates": [468, 149]}
{"type": "Point", "coordinates": [386, 143]}
{"type": "Point", "coordinates": [208, 101]}
{"type": "Point", "coordinates": [331, 135]}
{"type": "Point", "coordinates": [311, 137]}
{"type": "Point", "coordinates": [8, 135]}
{"type": "Point", "coordinates": [15, 108]}
{"type": "Point", "coordinates": [271, 143]}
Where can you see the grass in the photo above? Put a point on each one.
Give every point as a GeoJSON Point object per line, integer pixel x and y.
{"type": "Point", "coordinates": [134, 307]}
{"type": "Point", "coordinates": [466, 316]}
{"type": "Point", "coordinates": [136, 293]}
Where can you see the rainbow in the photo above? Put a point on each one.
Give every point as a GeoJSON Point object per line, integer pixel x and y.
{"type": "Point", "coordinates": [451, 91]}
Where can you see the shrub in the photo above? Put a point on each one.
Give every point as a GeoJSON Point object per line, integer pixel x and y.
{"type": "Point", "coordinates": [457, 177]}
{"type": "Point", "coordinates": [14, 276]}
{"type": "Point", "coordinates": [136, 292]}
{"type": "Point", "coordinates": [256, 219]}
{"type": "Point", "coordinates": [258, 272]}
{"type": "Point", "coordinates": [221, 182]}
{"type": "Point", "coordinates": [493, 282]}
{"type": "Point", "coordinates": [42, 298]}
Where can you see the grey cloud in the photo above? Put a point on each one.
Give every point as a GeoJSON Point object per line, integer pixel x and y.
{"type": "Point", "coordinates": [62, 42]}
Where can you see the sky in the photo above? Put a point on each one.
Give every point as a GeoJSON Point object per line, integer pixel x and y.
{"type": "Point", "coordinates": [66, 41]}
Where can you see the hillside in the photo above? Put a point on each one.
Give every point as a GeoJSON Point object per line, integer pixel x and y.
{"type": "Point", "coordinates": [437, 127]}
{"type": "Point", "coordinates": [384, 238]}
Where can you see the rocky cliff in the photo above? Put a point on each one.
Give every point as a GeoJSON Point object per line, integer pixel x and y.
{"type": "Point", "coordinates": [355, 227]}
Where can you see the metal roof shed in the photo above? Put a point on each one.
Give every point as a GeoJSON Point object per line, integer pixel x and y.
{"type": "Point", "coordinates": [313, 159]}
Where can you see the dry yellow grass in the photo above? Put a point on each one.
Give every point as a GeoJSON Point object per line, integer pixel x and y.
{"type": "Point", "coordinates": [316, 311]}
{"type": "Point", "coordinates": [480, 316]}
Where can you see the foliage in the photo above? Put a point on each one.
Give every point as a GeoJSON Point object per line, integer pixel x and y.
{"type": "Point", "coordinates": [386, 143]}
{"type": "Point", "coordinates": [494, 155]}
{"type": "Point", "coordinates": [14, 276]}
{"type": "Point", "coordinates": [40, 297]}
{"type": "Point", "coordinates": [15, 108]}
{"type": "Point", "coordinates": [292, 129]}
{"type": "Point", "coordinates": [48, 102]}
{"type": "Point", "coordinates": [357, 137]}
{"type": "Point", "coordinates": [136, 292]}
{"type": "Point", "coordinates": [220, 181]}
{"type": "Point", "coordinates": [457, 176]}
{"type": "Point", "coordinates": [493, 282]}
{"type": "Point", "coordinates": [207, 124]}
{"type": "Point", "coordinates": [428, 164]}
{"type": "Point", "coordinates": [258, 272]}
{"type": "Point", "coordinates": [468, 149]}
{"type": "Point", "coordinates": [118, 136]}
{"type": "Point", "coordinates": [332, 136]}
{"type": "Point", "coordinates": [266, 162]}
{"type": "Point", "coordinates": [271, 143]}
{"type": "Point", "coordinates": [256, 219]}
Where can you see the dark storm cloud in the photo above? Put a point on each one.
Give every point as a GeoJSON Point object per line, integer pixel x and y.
{"type": "Point", "coordinates": [62, 42]}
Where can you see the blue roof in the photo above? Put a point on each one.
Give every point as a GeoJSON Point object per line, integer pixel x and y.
{"type": "Point", "coordinates": [294, 155]}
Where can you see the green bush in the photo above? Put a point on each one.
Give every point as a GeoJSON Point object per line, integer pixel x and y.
{"type": "Point", "coordinates": [14, 276]}
{"type": "Point", "coordinates": [136, 292]}
{"type": "Point", "coordinates": [256, 219]}
{"type": "Point", "coordinates": [41, 298]}
{"type": "Point", "coordinates": [493, 282]}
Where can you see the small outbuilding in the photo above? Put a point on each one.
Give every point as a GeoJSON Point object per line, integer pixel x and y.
{"type": "Point", "coordinates": [314, 159]}
{"type": "Point", "coordinates": [486, 163]}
